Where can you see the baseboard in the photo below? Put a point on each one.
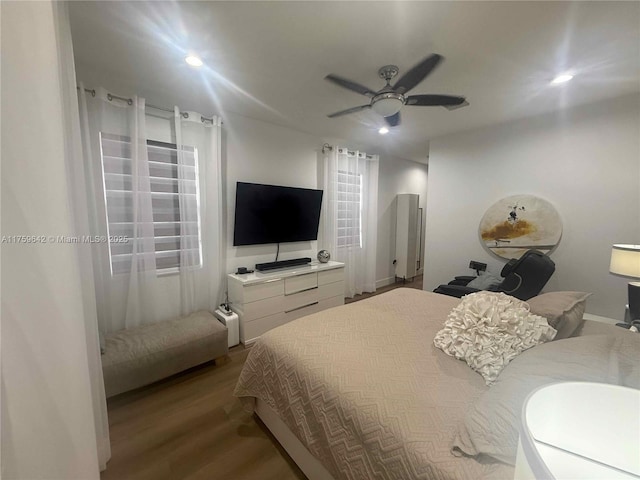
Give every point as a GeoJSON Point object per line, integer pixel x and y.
{"type": "Point", "coordinates": [391, 280]}
{"type": "Point", "coordinates": [598, 318]}
{"type": "Point", "coordinates": [385, 281]}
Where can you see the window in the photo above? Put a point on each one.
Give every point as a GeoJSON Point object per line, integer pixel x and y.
{"type": "Point", "coordinates": [349, 209]}
{"type": "Point", "coordinates": [165, 203]}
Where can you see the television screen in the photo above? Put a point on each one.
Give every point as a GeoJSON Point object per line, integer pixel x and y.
{"type": "Point", "coordinates": [274, 214]}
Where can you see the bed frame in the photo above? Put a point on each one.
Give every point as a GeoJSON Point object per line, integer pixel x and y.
{"type": "Point", "coordinates": [309, 464]}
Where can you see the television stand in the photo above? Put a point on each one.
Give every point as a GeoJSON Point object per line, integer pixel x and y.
{"type": "Point", "coordinates": [261, 267]}
{"type": "Point", "coordinates": [266, 300]}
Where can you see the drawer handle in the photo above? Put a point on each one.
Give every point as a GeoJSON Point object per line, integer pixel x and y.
{"type": "Point", "coordinates": [300, 291]}
{"type": "Point", "coordinates": [299, 308]}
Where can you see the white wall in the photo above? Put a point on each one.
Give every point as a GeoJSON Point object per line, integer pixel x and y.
{"type": "Point", "coordinates": [47, 419]}
{"type": "Point", "coordinates": [585, 161]}
{"type": "Point", "coordinates": [257, 152]}
{"type": "Point", "coordinates": [265, 153]}
{"type": "Point", "coordinates": [261, 152]}
{"type": "Point", "coordinates": [396, 175]}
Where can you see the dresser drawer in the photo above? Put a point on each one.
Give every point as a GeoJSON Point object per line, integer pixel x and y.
{"type": "Point", "coordinates": [329, 290]}
{"type": "Point", "coordinates": [330, 276]}
{"type": "Point", "coordinates": [331, 302]}
{"type": "Point", "coordinates": [301, 312]}
{"type": "Point", "coordinates": [300, 299]}
{"type": "Point", "coordinates": [259, 291]}
{"type": "Point", "coordinates": [300, 282]}
{"type": "Point", "coordinates": [262, 308]}
{"type": "Point", "coordinates": [249, 331]}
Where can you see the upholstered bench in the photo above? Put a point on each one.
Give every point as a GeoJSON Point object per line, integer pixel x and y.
{"type": "Point", "coordinates": [139, 356]}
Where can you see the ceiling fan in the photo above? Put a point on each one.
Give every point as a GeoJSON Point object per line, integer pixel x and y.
{"type": "Point", "coordinates": [389, 99]}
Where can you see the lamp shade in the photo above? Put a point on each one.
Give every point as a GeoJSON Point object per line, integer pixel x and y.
{"type": "Point", "coordinates": [625, 260]}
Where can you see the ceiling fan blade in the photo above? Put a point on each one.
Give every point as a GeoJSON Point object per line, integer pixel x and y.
{"type": "Point", "coordinates": [434, 100]}
{"type": "Point", "coordinates": [455, 107]}
{"type": "Point", "coordinates": [418, 73]}
{"type": "Point", "coordinates": [349, 110]}
{"type": "Point", "coordinates": [393, 120]}
{"type": "Point", "coordinates": [348, 84]}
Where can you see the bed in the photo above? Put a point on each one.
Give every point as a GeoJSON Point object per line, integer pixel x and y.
{"type": "Point", "coordinates": [361, 392]}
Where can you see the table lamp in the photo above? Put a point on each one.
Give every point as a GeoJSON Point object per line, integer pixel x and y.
{"type": "Point", "coordinates": [625, 261]}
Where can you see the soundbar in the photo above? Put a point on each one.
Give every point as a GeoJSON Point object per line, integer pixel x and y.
{"type": "Point", "coordinates": [261, 267]}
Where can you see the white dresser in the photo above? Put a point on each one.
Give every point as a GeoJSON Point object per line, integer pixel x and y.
{"type": "Point", "coordinates": [265, 300]}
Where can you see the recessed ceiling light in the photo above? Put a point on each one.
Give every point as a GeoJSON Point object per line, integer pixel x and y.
{"type": "Point", "coordinates": [565, 77]}
{"type": "Point", "coordinates": [193, 61]}
{"type": "Point", "coordinates": [383, 131]}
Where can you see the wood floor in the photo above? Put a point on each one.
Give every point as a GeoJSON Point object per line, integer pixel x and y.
{"type": "Point", "coordinates": [190, 426]}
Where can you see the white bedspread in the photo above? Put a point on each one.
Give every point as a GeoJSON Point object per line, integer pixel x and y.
{"type": "Point", "coordinates": [365, 390]}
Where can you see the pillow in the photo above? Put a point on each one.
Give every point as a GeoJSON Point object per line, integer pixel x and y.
{"type": "Point", "coordinates": [488, 329]}
{"type": "Point", "coordinates": [563, 310]}
{"type": "Point", "coordinates": [485, 281]}
{"type": "Point", "coordinates": [491, 424]}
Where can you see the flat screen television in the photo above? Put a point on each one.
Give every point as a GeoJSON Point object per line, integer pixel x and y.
{"type": "Point", "coordinates": [275, 214]}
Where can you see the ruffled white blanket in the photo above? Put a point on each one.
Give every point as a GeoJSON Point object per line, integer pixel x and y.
{"type": "Point", "coordinates": [489, 329]}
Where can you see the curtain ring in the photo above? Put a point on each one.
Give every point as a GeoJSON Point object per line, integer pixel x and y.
{"type": "Point", "coordinates": [129, 101]}
{"type": "Point", "coordinates": [185, 114]}
{"type": "Point", "coordinates": [93, 92]}
{"type": "Point", "coordinates": [109, 97]}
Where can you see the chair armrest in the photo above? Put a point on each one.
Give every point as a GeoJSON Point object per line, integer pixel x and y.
{"type": "Point", "coordinates": [461, 280]}
{"type": "Point", "coordinates": [455, 290]}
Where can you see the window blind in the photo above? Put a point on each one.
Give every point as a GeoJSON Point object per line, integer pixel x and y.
{"type": "Point", "coordinates": [168, 186]}
{"type": "Point", "coordinates": [349, 209]}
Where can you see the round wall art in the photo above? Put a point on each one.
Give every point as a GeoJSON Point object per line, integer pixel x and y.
{"type": "Point", "coordinates": [515, 224]}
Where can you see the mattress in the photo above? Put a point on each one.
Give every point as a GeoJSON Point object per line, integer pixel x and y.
{"type": "Point", "coordinates": [367, 393]}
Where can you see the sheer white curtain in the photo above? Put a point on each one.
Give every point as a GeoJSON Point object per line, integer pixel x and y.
{"type": "Point", "coordinates": [348, 227]}
{"type": "Point", "coordinates": [202, 272]}
{"type": "Point", "coordinates": [76, 174]}
{"type": "Point", "coordinates": [174, 266]}
{"type": "Point", "coordinates": [114, 131]}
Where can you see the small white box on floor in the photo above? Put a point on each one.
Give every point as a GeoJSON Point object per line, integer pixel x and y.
{"type": "Point", "coordinates": [231, 321]}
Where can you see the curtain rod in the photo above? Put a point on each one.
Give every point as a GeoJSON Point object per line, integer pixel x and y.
{"type": "Point", "coordinates": [326, 147]}
{"type": "Point", "coordinates": [129, 101]}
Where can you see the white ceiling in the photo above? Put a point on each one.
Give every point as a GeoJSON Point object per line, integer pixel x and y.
{"type": "Point", "coordinates": [267, 60]}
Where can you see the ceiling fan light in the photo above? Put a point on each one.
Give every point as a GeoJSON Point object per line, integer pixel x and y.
{"type": "Point", "coordinates": [387, 106]}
